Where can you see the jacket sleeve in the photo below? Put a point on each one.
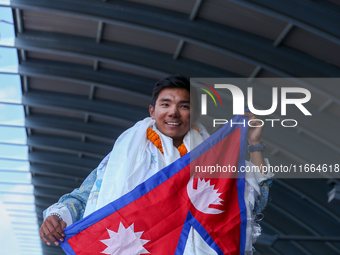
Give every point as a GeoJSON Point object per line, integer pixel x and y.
{"type": "Point", "coordinates": [260, 185]}
{"type": "Point", "coordinates": [71, 206]}
{"type": "Point", "coordinates": [262, 200]}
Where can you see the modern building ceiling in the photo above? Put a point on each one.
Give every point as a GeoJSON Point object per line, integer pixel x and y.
{"type": "Point", "coordinates": [88, 68]}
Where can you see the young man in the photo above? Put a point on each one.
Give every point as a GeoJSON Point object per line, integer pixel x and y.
{"type": "Point", "coordinates": [140, 152]}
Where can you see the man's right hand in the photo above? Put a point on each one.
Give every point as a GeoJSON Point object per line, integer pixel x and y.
{"type": "Point", "coordinates": [52, 228]}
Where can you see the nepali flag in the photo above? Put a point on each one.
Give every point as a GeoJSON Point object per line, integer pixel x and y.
{"type": "Point", "coordinates": [157, 216]}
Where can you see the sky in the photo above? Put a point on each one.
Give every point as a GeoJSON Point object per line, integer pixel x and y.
{"type": "Point", "coordinates": [18, 225]}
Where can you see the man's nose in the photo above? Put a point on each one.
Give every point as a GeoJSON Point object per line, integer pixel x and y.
{"type": "Point", "coordinates": [174, 111]}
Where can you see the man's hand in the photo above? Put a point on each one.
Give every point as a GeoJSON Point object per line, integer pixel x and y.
{"type": "Point", "coordinates": [52, 228]}
{"type": "Point", "coordinates": [254, 133]}
{"type": "Point", "coordinates": [254, 136]}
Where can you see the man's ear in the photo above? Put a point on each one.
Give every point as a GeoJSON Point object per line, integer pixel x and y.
{"type": "Point", "coordinates": [152, 112]}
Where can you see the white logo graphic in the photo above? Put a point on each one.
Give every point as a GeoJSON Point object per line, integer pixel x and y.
{"type": "Point", "coordinates": [238, 100]}
{"type": "Point", "coordinates": [204, 196]}
{"type": "Point", "coordinates": [125, 241]}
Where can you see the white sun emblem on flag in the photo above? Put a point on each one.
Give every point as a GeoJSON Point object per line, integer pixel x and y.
{"type": "Point", "coordinates": [204, 196]}
{"type": "Point", "coordinates": [125, 241]}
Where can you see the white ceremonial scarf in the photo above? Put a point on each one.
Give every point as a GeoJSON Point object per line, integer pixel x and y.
{"type": "Point", "coordinates": [134, 159]}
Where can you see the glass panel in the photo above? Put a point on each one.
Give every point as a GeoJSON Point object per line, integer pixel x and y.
{"type": "Point", "coordinates": [7, 164]}
{"type": "Point", "coordinates": [30, 206]}
{"type": "Point", "coordinates": [14, 151]}
{"type": "Point", "coordinates": [7, 187]}
{"type": "Point", "coordinates": [17, 209]}
{"type": "Point", "coordinates": [18, 198]}
{"type": "Point", "coordinates": [8, 60]}
{"type": "Point", "coordinates": [6, 25]}
{"type": "Point", "coordinates": [15, 177]}
{"type": "Point", "coordinates": [10, 246]}
{"type": "Point", "coordinates": [11, 115]}
{"type": "Point", "coordinates": [10, 88]}
{"type": "Point", "coordinates": [12, 135]}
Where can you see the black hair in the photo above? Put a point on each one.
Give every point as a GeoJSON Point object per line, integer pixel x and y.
{"type": "Point", "coordinates": [174, 81]}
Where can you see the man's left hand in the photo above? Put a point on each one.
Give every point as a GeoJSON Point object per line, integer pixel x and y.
{"type": "Point", "coordinates": [255, 130]}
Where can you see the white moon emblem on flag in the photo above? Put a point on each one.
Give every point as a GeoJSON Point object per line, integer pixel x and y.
{"type": "Point", "coordinates": [204, 196]}
{"type": "Point", "coordinates": [125, 241]}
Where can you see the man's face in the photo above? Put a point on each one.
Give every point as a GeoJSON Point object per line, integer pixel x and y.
{"type": "Point", "coordinates": [172, 113]}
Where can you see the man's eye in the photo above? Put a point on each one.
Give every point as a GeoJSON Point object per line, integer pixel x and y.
{"type": "Point", "coordinates": [165, 104]}
{"type": "Point", "coordinates": [185, 106]}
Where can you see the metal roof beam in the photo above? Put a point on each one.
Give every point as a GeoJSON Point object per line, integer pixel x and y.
{"type": "Point", "coordinates": [69, 145]}
{"type": "Point", "coordinates": [122, 114]}
{"type": "Point", "coordinates": [178, 49]}
{"type": "Point", "coordinates": [195, 9]}
{"type": "Point", "coordinates": [100, 31]}
{"type": "Point", "coordinates": [255, 73]}
{"type": "Point", "coordinates": [304, 196]}
{"type": "Point", "coordinates": [62, 159]}
{"type": "Point", "coordinates": [20, 29]}
{"type": "Point", "coordinates": [96, 56]}
{"type": "Point", "coordinates": [19, 23]}
{"type": "Point", "coordinates": [101, 131]}
{"type": "Point", "coordinates": [283, 34]}
{"type": "Point", "coordinates": [302, 249]}
{"type": "Point", "coordinates": [309, 238]}
{"type": "Point", "coordinates": [92, 92]}
{"type": "Point", "coordinates": [271, 239]}
{"type": "Point", "coordinates": [39, 201]}
{"type": "Point", "coordinates": [304, 149]}
{"type": "Point", "coordinates": [47, 251]}
{"type": "Point", "coordinates": [48, 192]}
{"type": "Point", "coordinates": [302, 224]}
{"type": "Point", "coordinates": [136, 87]}
{"type": "Point", "coordinates": [125, 52]}
{"type": "Point", "coordinates": [317, 17]}
{"type": "Point", "coordinates": [72, 173]}
{"type": "Point", "coordinates": [159, 64]}
{"type": "Point", "coordinates": [226, 40]}
{"type": "Point", "coordinates": [298, 216]}
{"type": "Point", "coordinates": [325, 105]}
{"type": "Point", "coordinates": [54, 183]}
{"type": "Point", "coordinates": [53, 248]}
{"type": "Point", "coordinates": [51, 251]}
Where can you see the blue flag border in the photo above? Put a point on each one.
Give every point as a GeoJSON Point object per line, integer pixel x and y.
{"type": "Point", "coordinates": [164, 175]}
{"type": "Point", "coordinates": [191, 221]}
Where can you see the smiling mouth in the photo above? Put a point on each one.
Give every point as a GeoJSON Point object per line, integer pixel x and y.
{"type": "Point", "coordinates": [173, 123]}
